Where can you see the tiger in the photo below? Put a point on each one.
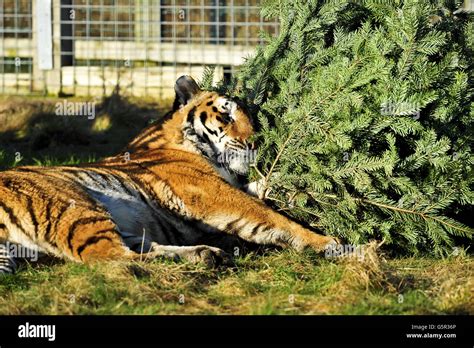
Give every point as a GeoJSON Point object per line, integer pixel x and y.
{"type": "Point", "coordinates": [168, 194]}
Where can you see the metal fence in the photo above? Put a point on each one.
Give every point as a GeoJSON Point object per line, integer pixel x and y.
{"type": "Point", "coordinates": [88, 47]}
{"type": "Point", "coordinates": [16, 45]}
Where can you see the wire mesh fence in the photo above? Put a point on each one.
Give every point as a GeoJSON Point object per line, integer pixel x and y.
{"type": "Point", "coordinates": [141, 45]}
{"type": "Point", "coordinates": [15, 45]}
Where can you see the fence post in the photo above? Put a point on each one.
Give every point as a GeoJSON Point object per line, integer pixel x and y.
{"type": "Point", "coordinates": [66, 33]}
{"type": "Point", "coordinates": [48, 81]}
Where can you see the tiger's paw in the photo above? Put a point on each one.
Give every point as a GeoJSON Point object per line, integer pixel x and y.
{"type": "Point", "coordinates": [209, 256]}
{"type": "Point", "coordinates": [323, 243]}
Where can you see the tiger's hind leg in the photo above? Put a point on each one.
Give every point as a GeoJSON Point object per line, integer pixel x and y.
{"type": "Point", "coordinates": [208, 255]}
{"type": "Point", "coordinates": [146, 248]}
{"type": "Point", "coordinates": [7, 262]}
{"type": "Point", "coordinates": [113, 247]}
{"type": "Point", "coordinates": [97, 238]}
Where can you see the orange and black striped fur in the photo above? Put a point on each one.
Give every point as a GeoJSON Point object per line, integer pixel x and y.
{"type": "Point", "coordinates": [164, 196]}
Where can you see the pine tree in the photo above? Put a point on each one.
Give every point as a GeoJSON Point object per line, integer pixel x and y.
{"type": "Point", "coordinates": [366, 118]}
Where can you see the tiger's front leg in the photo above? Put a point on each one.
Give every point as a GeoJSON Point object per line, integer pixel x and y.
{"type": "Point", "coordinates": [235, 212]}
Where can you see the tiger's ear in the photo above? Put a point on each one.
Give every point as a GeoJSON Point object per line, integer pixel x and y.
{"type": "Point", "coordinates": [186, 89]}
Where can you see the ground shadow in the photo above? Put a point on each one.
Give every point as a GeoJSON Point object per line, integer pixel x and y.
{"type": "Point", "coordinates": [32, 131]}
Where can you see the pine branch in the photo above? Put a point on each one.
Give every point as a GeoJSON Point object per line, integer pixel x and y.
{"type": "Point", "coordinates": [278, 155]}
{"type": "Point", "coordinates": [408, 211]}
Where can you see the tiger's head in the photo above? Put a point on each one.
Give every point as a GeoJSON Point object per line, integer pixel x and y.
{"type": "Point", "coordinates": [218, 125]}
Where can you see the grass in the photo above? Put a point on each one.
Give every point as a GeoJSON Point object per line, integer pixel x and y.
{"type": "Point", "coordinates": [268, 282]}
{"type": "Point", "coordinates": [277, 282]}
